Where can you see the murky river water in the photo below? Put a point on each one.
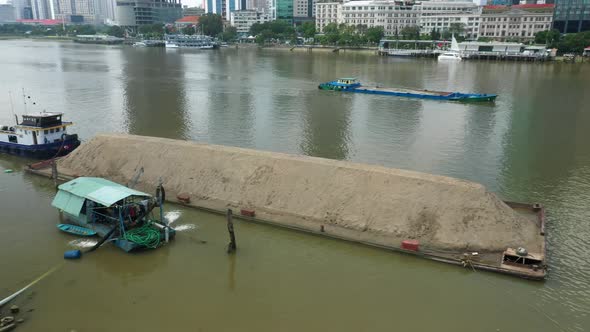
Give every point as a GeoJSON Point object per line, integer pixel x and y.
{"type": "Point", "coordinates": [532, 146]}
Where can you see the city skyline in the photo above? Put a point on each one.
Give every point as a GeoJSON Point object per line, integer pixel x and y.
{"type": "Point", "coordinates": [190, 3]}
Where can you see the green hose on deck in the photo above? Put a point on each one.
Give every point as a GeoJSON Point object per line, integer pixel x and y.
{"type": "Point", "coordinates": [145, 235]}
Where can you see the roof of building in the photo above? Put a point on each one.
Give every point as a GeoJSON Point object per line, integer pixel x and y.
{"type": "Point", "coordinates": [526, 7]}
{"type": "Point", "coordinates": [41, 22]}
{"type": "Point", "coordinates": [188, 19]}
{"type": "Point", "coordinates": [42, 114]}
{"type": "Point", "coordinates": [370, 3]}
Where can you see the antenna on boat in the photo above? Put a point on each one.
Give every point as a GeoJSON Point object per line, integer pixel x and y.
{"type": "Point", "coordinates": [12, 106]}
{"type": "Point", "coordinates": [24, 100]}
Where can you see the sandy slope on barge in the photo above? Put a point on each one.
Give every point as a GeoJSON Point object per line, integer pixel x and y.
{"type": "Point", "coordinates": [359, 202]}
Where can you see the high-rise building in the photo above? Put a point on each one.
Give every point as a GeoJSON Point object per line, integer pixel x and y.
{"type": "Point", "coordinates": [303, 8]}
{"type": "Point", "coordinates": [132, 13]}
{"type": "Point", "coordinates": [260, 5]}
{"type": "Point", "coordinates": [32, 9]}
{"type": "Point", "coordinates": [223, 7]}
{"type": "Point", "coordinates": [76, 11]}
{"type": "Point", "coordinates": [19, 8]}
{"type": "Point", "coordinates": [572, 16]}
{"type": "Point", "coordinates": [284, 10]}
{"type": "Point", "coordinates": [41, 9]}
{"type": "Point", "coordinates": [106, 10]}
{"type": "Point", "coordinates": [7, 13]}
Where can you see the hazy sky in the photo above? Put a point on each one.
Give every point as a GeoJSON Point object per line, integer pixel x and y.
{"type": "Point", "coordinates": [190, 3]}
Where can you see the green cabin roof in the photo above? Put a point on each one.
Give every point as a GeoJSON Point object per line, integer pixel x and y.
{"type": "Point", "coordinates": [348, 78]}
{"type": "Point", "coordinates": [71, 195]}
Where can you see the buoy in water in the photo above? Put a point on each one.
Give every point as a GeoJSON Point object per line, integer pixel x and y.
{"type": "Point", "coordinates": [72, 254]}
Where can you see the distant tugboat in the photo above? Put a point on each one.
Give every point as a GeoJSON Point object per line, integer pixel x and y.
{"type": "Point", "coordinates": [41, 136]}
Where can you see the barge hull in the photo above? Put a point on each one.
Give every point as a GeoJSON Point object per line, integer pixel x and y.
{"type": "Point", "coordinates": [361, 203]}
{"type": "Point", "coordinates": [42, 151]}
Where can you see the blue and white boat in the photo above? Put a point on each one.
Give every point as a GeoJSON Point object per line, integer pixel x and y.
{"type": "Point", "coordinates": [353, 85]}
{"type": "Point", "coordinates": [43, 135]}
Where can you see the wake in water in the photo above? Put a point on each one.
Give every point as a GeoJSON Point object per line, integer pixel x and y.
{"type": "Point", "coordinates": [82, 243]}
{"type": "Point", "coordinates": [172, 216]}
{"type": "Point", "coordinates": [185, 227]}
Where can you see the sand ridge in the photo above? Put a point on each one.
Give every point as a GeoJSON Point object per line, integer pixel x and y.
{"type": "Point", "coordinates": [360, 202]}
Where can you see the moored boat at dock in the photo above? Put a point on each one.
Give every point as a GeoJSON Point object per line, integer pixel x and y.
{"type": "Point", "coordinates": [41, 135]}
{"type": "Point", "coordinates": [453, 55]}
{"type": "Point", "coordinates": [353, 85]}
{"type": "Point", "coordinates": [190, 41]}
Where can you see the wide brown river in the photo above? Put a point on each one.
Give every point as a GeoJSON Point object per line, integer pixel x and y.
{"type": "Point", "coordinates": [532, 145]}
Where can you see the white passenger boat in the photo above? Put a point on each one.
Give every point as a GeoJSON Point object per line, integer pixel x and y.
{"type": "Point", "coordinates": [190, 41]}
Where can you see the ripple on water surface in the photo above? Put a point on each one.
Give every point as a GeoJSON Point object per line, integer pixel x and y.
{"type": "Point", "coordinates": [82, 243]}
{"type": "Point", "coordinates": [185, 227]}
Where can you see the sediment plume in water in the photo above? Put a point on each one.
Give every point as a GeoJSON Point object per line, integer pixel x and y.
{"type": "Point", "coordinates": [359, 202]}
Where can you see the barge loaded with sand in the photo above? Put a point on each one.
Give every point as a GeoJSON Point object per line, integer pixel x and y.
{"type": "Point", "coordinates": [435, 217]}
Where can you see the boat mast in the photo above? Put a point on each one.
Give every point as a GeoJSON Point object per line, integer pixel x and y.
{"type": "Point", "coordinates": [24, 101]}
{"type": "Point", "coordinates": [12, 106]}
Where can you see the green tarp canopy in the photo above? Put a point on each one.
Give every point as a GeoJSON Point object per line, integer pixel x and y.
{"type": "Point", "coordinates": [71, 195]}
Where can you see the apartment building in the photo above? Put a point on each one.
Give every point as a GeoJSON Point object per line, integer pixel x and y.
{"type": "Point", "coordinates": [440, 15]}
{"type": "Point", "coordinates": [515, 22]}
{"type": "Point", "coordinates": [326, 13]}
{"type": "Point", "coordinates": [393, 16]}
{"type": "Point", "coordinates": [242, 20]}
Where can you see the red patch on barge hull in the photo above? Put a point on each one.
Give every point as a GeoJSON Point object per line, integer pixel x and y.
{"type": "Point", "coordinates": [412, 245]}
{"type": "Point", "coordinates": [248, 213]}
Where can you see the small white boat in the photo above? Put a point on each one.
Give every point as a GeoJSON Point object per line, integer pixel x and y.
{"type": "Point", "coordinates": [454, 54]}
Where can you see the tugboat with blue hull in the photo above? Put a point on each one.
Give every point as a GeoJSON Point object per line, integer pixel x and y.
{"type": "Point", "coordinates": [353, 85]}
{"type": "Point", "coordinates": [43, 135]}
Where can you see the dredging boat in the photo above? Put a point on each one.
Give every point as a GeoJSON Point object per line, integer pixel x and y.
{"type": "Point", "coordinates": [42, 135]}
{"type": "Point", "coordinates": [115, 212]}
{"type": "Point", "coordinates": [353, 85]}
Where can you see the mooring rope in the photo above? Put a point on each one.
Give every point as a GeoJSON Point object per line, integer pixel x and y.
{"type": "Point", "coordinates": [53, 269]}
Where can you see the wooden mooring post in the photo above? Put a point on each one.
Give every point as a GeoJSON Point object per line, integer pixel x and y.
{"type": "Point", "coordinates": [231, 247]}
{"type": "Point", "coordinates": [54, 173]}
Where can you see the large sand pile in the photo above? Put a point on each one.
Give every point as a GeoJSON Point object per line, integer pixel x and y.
{"type": "Point", "coordinates": [360, 202]}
